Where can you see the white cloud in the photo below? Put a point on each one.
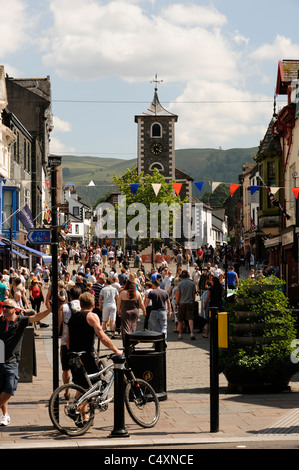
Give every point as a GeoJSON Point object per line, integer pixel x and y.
{"type": "Point", "coordinates": [57, 147]}
{"type": "Point", "coordinates": [14, 26]}
{"type": "Point", "coordinates": [90, 41]}
{"type": "Point", "coordinates": [219, 115]}
{"type": "Point", "coordinates": [281, 48]}
{"type": "Point", "coordinates": [192, 15]}
{"type": "Point", "coordinates": [61, 126]}
{"type": "Point", "coordinates": [239, 39]}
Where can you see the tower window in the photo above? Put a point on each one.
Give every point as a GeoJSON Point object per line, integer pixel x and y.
{"type": "Point", "coordinates": [156, 165]}
{"type": "Point", "coordinates": [156, 130]}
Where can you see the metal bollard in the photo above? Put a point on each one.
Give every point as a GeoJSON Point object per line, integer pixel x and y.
{"type": "Point", "coordinates": [119, 429]}
{"type": "Point", "coordinates": [214, 371]}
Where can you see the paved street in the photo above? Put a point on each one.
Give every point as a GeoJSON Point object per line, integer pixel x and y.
{"type": "Point", "coordinates": [185, 415]}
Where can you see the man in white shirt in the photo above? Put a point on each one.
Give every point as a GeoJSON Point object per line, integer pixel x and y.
{"type": "Point", "coordinates": [196, 278]}
{"type": "Point", "coordinates": [168, 280]}
{"type": "Point", "coordinates": [107, 303]}
{"type": "Point", "coordinates": [216, 271]}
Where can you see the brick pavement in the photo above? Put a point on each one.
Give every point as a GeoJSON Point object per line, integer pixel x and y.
{"type": "Point", "coordinates": [185, 415]}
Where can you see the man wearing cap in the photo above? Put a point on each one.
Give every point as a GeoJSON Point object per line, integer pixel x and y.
{"type": "Point", "coordinates": [12, 328]}
{"type": "Point", "coordinates": [184, 302]}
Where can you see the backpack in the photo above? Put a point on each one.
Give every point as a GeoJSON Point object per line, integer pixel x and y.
{"type": "Point", "coordinates": [73, 310]}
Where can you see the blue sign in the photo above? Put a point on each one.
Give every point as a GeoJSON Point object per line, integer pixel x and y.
{"type": "Point", "coordinates": [39, 236]}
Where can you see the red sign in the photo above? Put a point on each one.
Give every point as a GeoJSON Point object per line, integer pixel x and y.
{"type": "Point", "coordinates": [146, 258]}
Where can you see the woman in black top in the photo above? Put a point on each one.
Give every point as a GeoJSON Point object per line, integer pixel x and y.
{"type": "Point", "coordinates": [214, 296]}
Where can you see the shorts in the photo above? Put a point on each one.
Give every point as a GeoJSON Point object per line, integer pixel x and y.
{"type": "Point", "coordinates": [109, 312]}
{"type": "Point", "coordinates": [185, 312]}
{"type": "Point", "coordinates": [64, 357]}
{"type": "Point", "coordinates": [9, 377]}
{"type": "Point", "coordinates": [90, 366]}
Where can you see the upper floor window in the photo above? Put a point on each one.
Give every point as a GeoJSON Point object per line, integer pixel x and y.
{"type": "Point", "coordinates": [271, 173]}
{"type": "Point", "coordinates": [156, 130]}
{"type": "Point", "coordinates": [157, 165]}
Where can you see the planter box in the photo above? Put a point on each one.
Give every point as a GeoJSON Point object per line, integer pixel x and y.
{"type": "Point", "coordinates": [258, 289]}
{"type": "Point", "coordinates": [251, 340]}
{"type": "Point", "coordinates": [250, 327]}
{"type": "Point", "coordinates": [245, 300]}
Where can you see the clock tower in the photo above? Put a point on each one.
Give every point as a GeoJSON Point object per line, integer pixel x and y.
{"type": "Point", "coordinates": [156, 140]}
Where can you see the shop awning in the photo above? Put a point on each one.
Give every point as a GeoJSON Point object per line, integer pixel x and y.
{"type": "Point", "coordinates": [45, 257]}
{"type": "Point", "coordinates": [40, 254]}
{"type": "Point", "coordinates": [20, 255]}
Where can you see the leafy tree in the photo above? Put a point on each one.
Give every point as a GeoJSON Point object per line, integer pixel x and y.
{"type": "Point", "coordinates": [146, 196]}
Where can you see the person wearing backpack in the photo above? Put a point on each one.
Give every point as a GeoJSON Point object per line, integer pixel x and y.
{"type": "Point", "coordinates": [65, 312]}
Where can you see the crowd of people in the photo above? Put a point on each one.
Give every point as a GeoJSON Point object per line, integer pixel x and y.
{"type": "Point", "coordinates": [101, 291]}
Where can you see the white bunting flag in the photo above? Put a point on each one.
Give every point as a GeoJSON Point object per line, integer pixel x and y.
{"type": "Point", "coordinates": [156, 188]}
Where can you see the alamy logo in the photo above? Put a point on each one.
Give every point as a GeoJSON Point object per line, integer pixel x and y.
{"type": "Point", "coordinates": [294, 354]}
{"type": "Point", "coordinates": [160, 221]}
{"type": "Point", "coordinates": [2, 352]}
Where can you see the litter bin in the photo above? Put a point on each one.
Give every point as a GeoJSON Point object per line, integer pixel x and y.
{"type": "Point", "coordinates": [149, 364]}
{"type": "Point", "coordinates": [27, 364]}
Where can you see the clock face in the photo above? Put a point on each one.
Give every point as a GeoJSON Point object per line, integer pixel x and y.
{"type": "Point", "coordinates": [156, 149]}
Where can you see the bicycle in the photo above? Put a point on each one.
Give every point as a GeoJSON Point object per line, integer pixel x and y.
{"type": "Point", "coordinates": [72, 408]}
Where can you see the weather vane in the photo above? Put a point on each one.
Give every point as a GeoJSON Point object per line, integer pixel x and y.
{"type": "Point", "coordinates": [156, 81]}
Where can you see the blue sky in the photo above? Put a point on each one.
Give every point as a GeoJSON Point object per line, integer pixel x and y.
{"type": "Point", "coordinates": [218, 61]}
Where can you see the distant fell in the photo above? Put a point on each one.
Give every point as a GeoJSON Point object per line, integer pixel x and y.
{"type": "Point", "coordinates": [206, 165]}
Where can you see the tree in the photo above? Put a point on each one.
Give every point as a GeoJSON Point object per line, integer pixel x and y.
{"type": "Point", "coordinates": [146, 196]}
{"type": "Point", "coordinates": [217, 197]}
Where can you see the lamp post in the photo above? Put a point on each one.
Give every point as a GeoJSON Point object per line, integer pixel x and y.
{"type": "Point", "coordinates": [54, 162]}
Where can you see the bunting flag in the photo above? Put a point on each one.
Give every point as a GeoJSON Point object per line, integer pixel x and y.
{"type": "Point", "coordinates": [25, 216]}
{"type": "Point", "coordinates": [214, 186]}
{"type": "Point", "coordinates": [47, 183]}
{"type": "Point", "coordinates": [274, 189]}
{"type": "Point", "coordinates": [253, 189]}
{"type": "Point", "coordinates": [177, 187]}
{"type": "Point", "coordinates": [134, 188]}
{"type": "Point", "coordinates": [233, 188]}
{"type": "Point", "coordinates": [273, 199]}
{"type": "Point", "coordinates": [91, 183]}
{"type": "Point", "coordinates": [199, 185]}
{"type": "Point", "coordinates": [25, 182]}
{"type": "Point", "coordinates": [296, 192]}
{"type": "Point", "coordinates": [156, 187]}
{"type": "Point", "coordinates": [252, 225]}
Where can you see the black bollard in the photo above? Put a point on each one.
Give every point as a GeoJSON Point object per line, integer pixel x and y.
{"type": "Point", "coordinates": [214, 371]}
{"type": "Point", "coordinates": [119, 429]}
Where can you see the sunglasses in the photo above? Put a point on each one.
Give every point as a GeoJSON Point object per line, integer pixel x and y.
{"type": "Point", "coordinates": [8, 306]}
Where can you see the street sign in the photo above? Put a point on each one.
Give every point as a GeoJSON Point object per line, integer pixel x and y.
{"type": "Point", "coordinates": [39, 236]}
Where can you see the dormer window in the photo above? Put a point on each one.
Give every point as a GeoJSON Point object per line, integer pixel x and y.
{"type": "Point", "coordinates": [156, 130]}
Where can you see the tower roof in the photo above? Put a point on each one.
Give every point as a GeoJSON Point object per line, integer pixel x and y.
{"type": "Point", "coordinates": [156, 109]}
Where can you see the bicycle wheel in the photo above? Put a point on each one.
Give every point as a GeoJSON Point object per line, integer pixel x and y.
{"type": "Point", "coordinates": [142, 403]}
{"type": "Point", "coordinates": [65, 415]}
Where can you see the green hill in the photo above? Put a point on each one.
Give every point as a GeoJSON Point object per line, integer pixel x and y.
{"type": "Point", "coordinates": [205, 165]}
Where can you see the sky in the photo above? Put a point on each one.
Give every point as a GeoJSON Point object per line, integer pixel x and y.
{"type": "Point", "coordinates": [216, 62]}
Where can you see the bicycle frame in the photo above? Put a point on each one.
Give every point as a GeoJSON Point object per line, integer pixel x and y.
{"type": "Point", "coordinates": [94, 390]}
